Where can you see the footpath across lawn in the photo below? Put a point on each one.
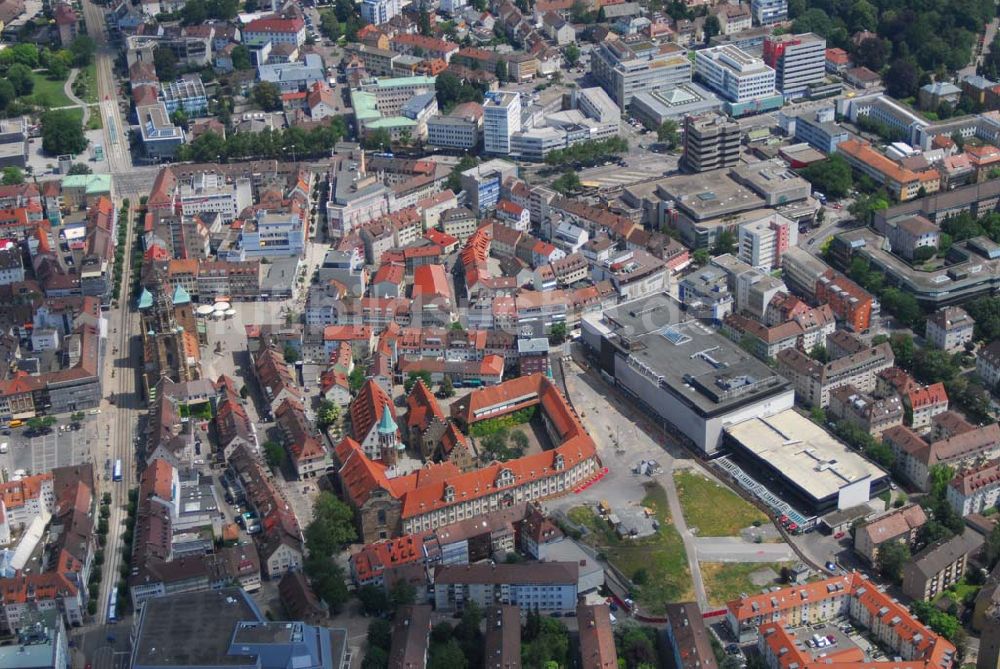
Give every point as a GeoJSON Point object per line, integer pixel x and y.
{"type": "Point", "coordinates": [656, 565]}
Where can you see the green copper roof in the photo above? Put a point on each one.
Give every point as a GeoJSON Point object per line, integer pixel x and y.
{"type": "Point", "coordinates": [181, 296]}
{"type": "Point", "coordinates": [145, 299]}
{"type": "Point", "coordinates": [387, 425]}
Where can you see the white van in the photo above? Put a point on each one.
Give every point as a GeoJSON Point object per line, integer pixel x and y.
{"type": "Point", "coordinates": [3, 447]}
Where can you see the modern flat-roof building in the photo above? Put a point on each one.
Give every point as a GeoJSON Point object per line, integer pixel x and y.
{"type": "Point", "coordinates": [501, 119]}
{"type": "Point", "coordinates": [624, 70]}
{"type": "Point", "coordinates": [799, 61]}
{"type": "Point", "coordinates": [734, 74]}
{"type": "Point", "coordinates": [674, 104]}
{"type": "Point", "coordinates": [711, 141]}
{"type": "Point", "coordinates": [546, 587]}
{"type": "Point", "coordinates": [460, 129]}
{"type": "Point", "coordinates": [160, 137]}
{"type": "Point", "coordinates": [768, 12]}
{"type": "Point", "coordinates": [680, 371]}
{"type": "Point", "coordinates": [224, 628]}
{"type": "Point", "coordinates": [819, 472]}
{"type": "Point", "coordinates": [377, 12]}
{"type": "Point", "coordinates": [819, 130]}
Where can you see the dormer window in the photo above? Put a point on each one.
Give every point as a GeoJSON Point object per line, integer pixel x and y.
{"type": "Point", "coordinates": [505, 478]}
{"type": "Point", "coordinates": [558, 463]}
{"type": "Point", "coordinates": [449, 493]}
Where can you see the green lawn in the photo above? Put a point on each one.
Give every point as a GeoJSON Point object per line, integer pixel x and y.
{"type": "Point", "coordinates": [716, 511]}
{"type": "Point", "coordinates": [48, 93]}
{"type": "Point", "coordinates": [725, 581]}
{"type": "Point", "coordinates": [659, 560]}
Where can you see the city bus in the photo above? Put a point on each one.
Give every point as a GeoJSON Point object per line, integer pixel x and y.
{"type": "Point", "coordinates": [117, 474]}
{"type": "Point", "coordinates": [113, 606]}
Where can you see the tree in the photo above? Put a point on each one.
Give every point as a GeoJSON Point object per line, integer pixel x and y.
{"type": "Point", "coordinates": [520, 440]}
{"type": "Point", "coordinates": [871, 53]}
{"type": "Point", "coordinates": [467, 162]}
{"type": "Point", "coordinates": [424, 22]}
{"type": "Point", "coordinates": [328, 414]}
{"type": "Point", "coordinates": [25, 54]}
{"type": "Point", "coordinates": [80, 168]}
{"type": "Point", "coordinates": [667, 134]}
{"type": "Point", "coordinates": [557, 333]}
{"type": "Point", "coordinates": [241, 58]}
{"type": "Point", "coordinates": [902, 349]}
{"type": "Point", "coordinates": [375, 658]}
{"type": "Point", "coordinates": [818, 352]}
{"type": "Point", "coordinates": [446, 655]}
{"type": "Point", "coordinates": [567, 183]}
{"type": "Point", "coordinates": [572, 54]}
{"type": "Point", "coordinates": [62, 133]}
{"type": "Point", "coordinates": [701, 257]}
{"type": "Point", "coordinates": [501, 70]}
{"type": "Point", "coordinates": [327, 579]}
{"type": "Point", "coordinates": [20, 77]}
{"type": "Point", "coordinates": [356, 379]}
{"type": "Point", "coordinates": [7, 93]}
{"type": "Point", "coordinates": [901, 79]}
{"type": "Point", "coordinates": [329, 26]}
{"type": "Point", "coordinates": [274, 454]}
{"type": "Point", "coordinates": [292, 354]}
{"type": "Point", "coordinates": [83, 48]}
{"type": "Point", "coordinates": [959, 140]}
{"type": "Point", "coordinates": [447, 386]}
{"type": "Point", "coordinates": [57, 70]}
{"type": "Point", "coordinates": [637, 646]}
{"type": "Point", "coordinates": [711, 28]}
{"type": "Point", "coordinates": [831, 176]}
{"type": "Point", "coordinates": [166, 63]}
{"type": "Point", "coordinates": [725, 242]}
{"type": "Point", "coordinates": [451, 91]}
{"type": "Point", "coordinates": [380, 633]}
{"type": "Point", "coordinates": [374, 601]}
{"type": "Point", "coordinates": [892, 556]}
{"type": "Point", "coordinates": [402, 593]}
{"type": "Point", "coordinates": [991, 549]}
{"type": "Point", "coordinates": [267, 96]}
{"type": "Point", "coordinates": [412, 378]}
{"type": "Point", "coordinates": [332, 526]}
{"type": "Point", "coordinates": [379, 139]}
{"type": "Point", "coordinates": [12, 176]}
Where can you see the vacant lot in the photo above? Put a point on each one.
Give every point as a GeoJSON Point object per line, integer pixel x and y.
{"type": "Point", "coordinates": [656, 565]}
{"type": "Point", "coordinates": [725, 581]}
{"type": "Point", "coordinates": [712, 510]}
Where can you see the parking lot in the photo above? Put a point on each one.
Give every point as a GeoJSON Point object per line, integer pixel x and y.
{"type": "Point", "coordinates": [60, 448]}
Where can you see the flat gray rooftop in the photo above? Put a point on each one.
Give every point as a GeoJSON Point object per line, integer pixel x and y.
{"type": "Point", "coordinates": [192, 629]}
{"type": "Point", "coordinates": [687, 356]}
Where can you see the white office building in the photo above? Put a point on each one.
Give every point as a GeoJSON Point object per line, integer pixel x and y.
{"type": "Point", "coordinates": [767, 12]}
{"type": "Point", "coordinates": [501, 119]}
{"type": "Point", "coordinates": [799, 61]}
{"type": "Point", "coordinates": [625, 70]}
{"type": "Point", "coordinates": [734, 74]}
{"type": "Point", "coordinates": [378, 12]}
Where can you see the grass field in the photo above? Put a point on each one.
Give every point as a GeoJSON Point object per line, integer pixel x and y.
{"type": "Point", "coordinates": [725, 581]}
{"type": "Point", "coordinates": [716, 511]}
{"type": "Point", "coordinates": [48, 93]}
{"type": "Point", "coordinates": [659, 562]}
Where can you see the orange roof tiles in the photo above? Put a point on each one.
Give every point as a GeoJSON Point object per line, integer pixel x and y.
{"type": "Point", "coordinates": [366, 409]}
{"type": "Point", "coordinates": [928, 396]}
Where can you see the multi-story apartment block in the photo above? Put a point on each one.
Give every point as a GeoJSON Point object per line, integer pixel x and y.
{"type": "Point", "coordinates": [950, 328]}
{"type": "Point", "coordinates": [768, 12]}
{"type": "Point", "coordinates": [767, 615]}
{"type": "Point", "coordinates": [501, 119]}
{"type": "Point", "coordinates": [624, 70]}
{"type": "Point", "coordinates": [915, 455]}
{"type": "Point", "coordinates": [872, 415]}
{"type": "Point", "coordinates": [186, 94]}
{"type": "Point", "coordinates": [546, 587]}
{"type": "Point", "coordinates": [377, 12]}
{"type": "Point", "coordinates": [988, 364]}
{"type": "Point", "coordinates": [461, 129]}
{"type": "Point", "coordinates": [975, 490]}
{"type": "Point", "coordinates": [940, 565]}
{"type": "Point", "coordinates": [11, 265]}
{"type": "Point", "coordinates": [899, 525]}
{"type": "Point", "coordinates": [734, 74]}
{"type": "Point", "coordinates": [852, 304]}
{"type": "Point", "coordinates": [762, 242]}
{"type": "Point", "coordinates": [925, 403]}
{"type": "Point", "coordinates": [209, 193]}
{"type": "Point", "coordinates": [275, 31]}
{"type": "Point", "coordinates": [814, 381]}
{"type": "Point", "coordinates": [799, 61]}
{"type": "Point", "coordinates": [482, 183]}
{"type": "Point", "coordinates": [711, 141]}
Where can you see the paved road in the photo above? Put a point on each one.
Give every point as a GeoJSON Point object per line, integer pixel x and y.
{"type": "Point", "coordinates": [116, 145]}
{"type": "Point", "coordinates": [735, 549]}
{"type": "Point", "coordinates": [970, 69]}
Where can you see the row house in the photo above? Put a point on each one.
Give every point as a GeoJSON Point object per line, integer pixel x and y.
{"type": "Point", "coordinates": [915, 456]}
